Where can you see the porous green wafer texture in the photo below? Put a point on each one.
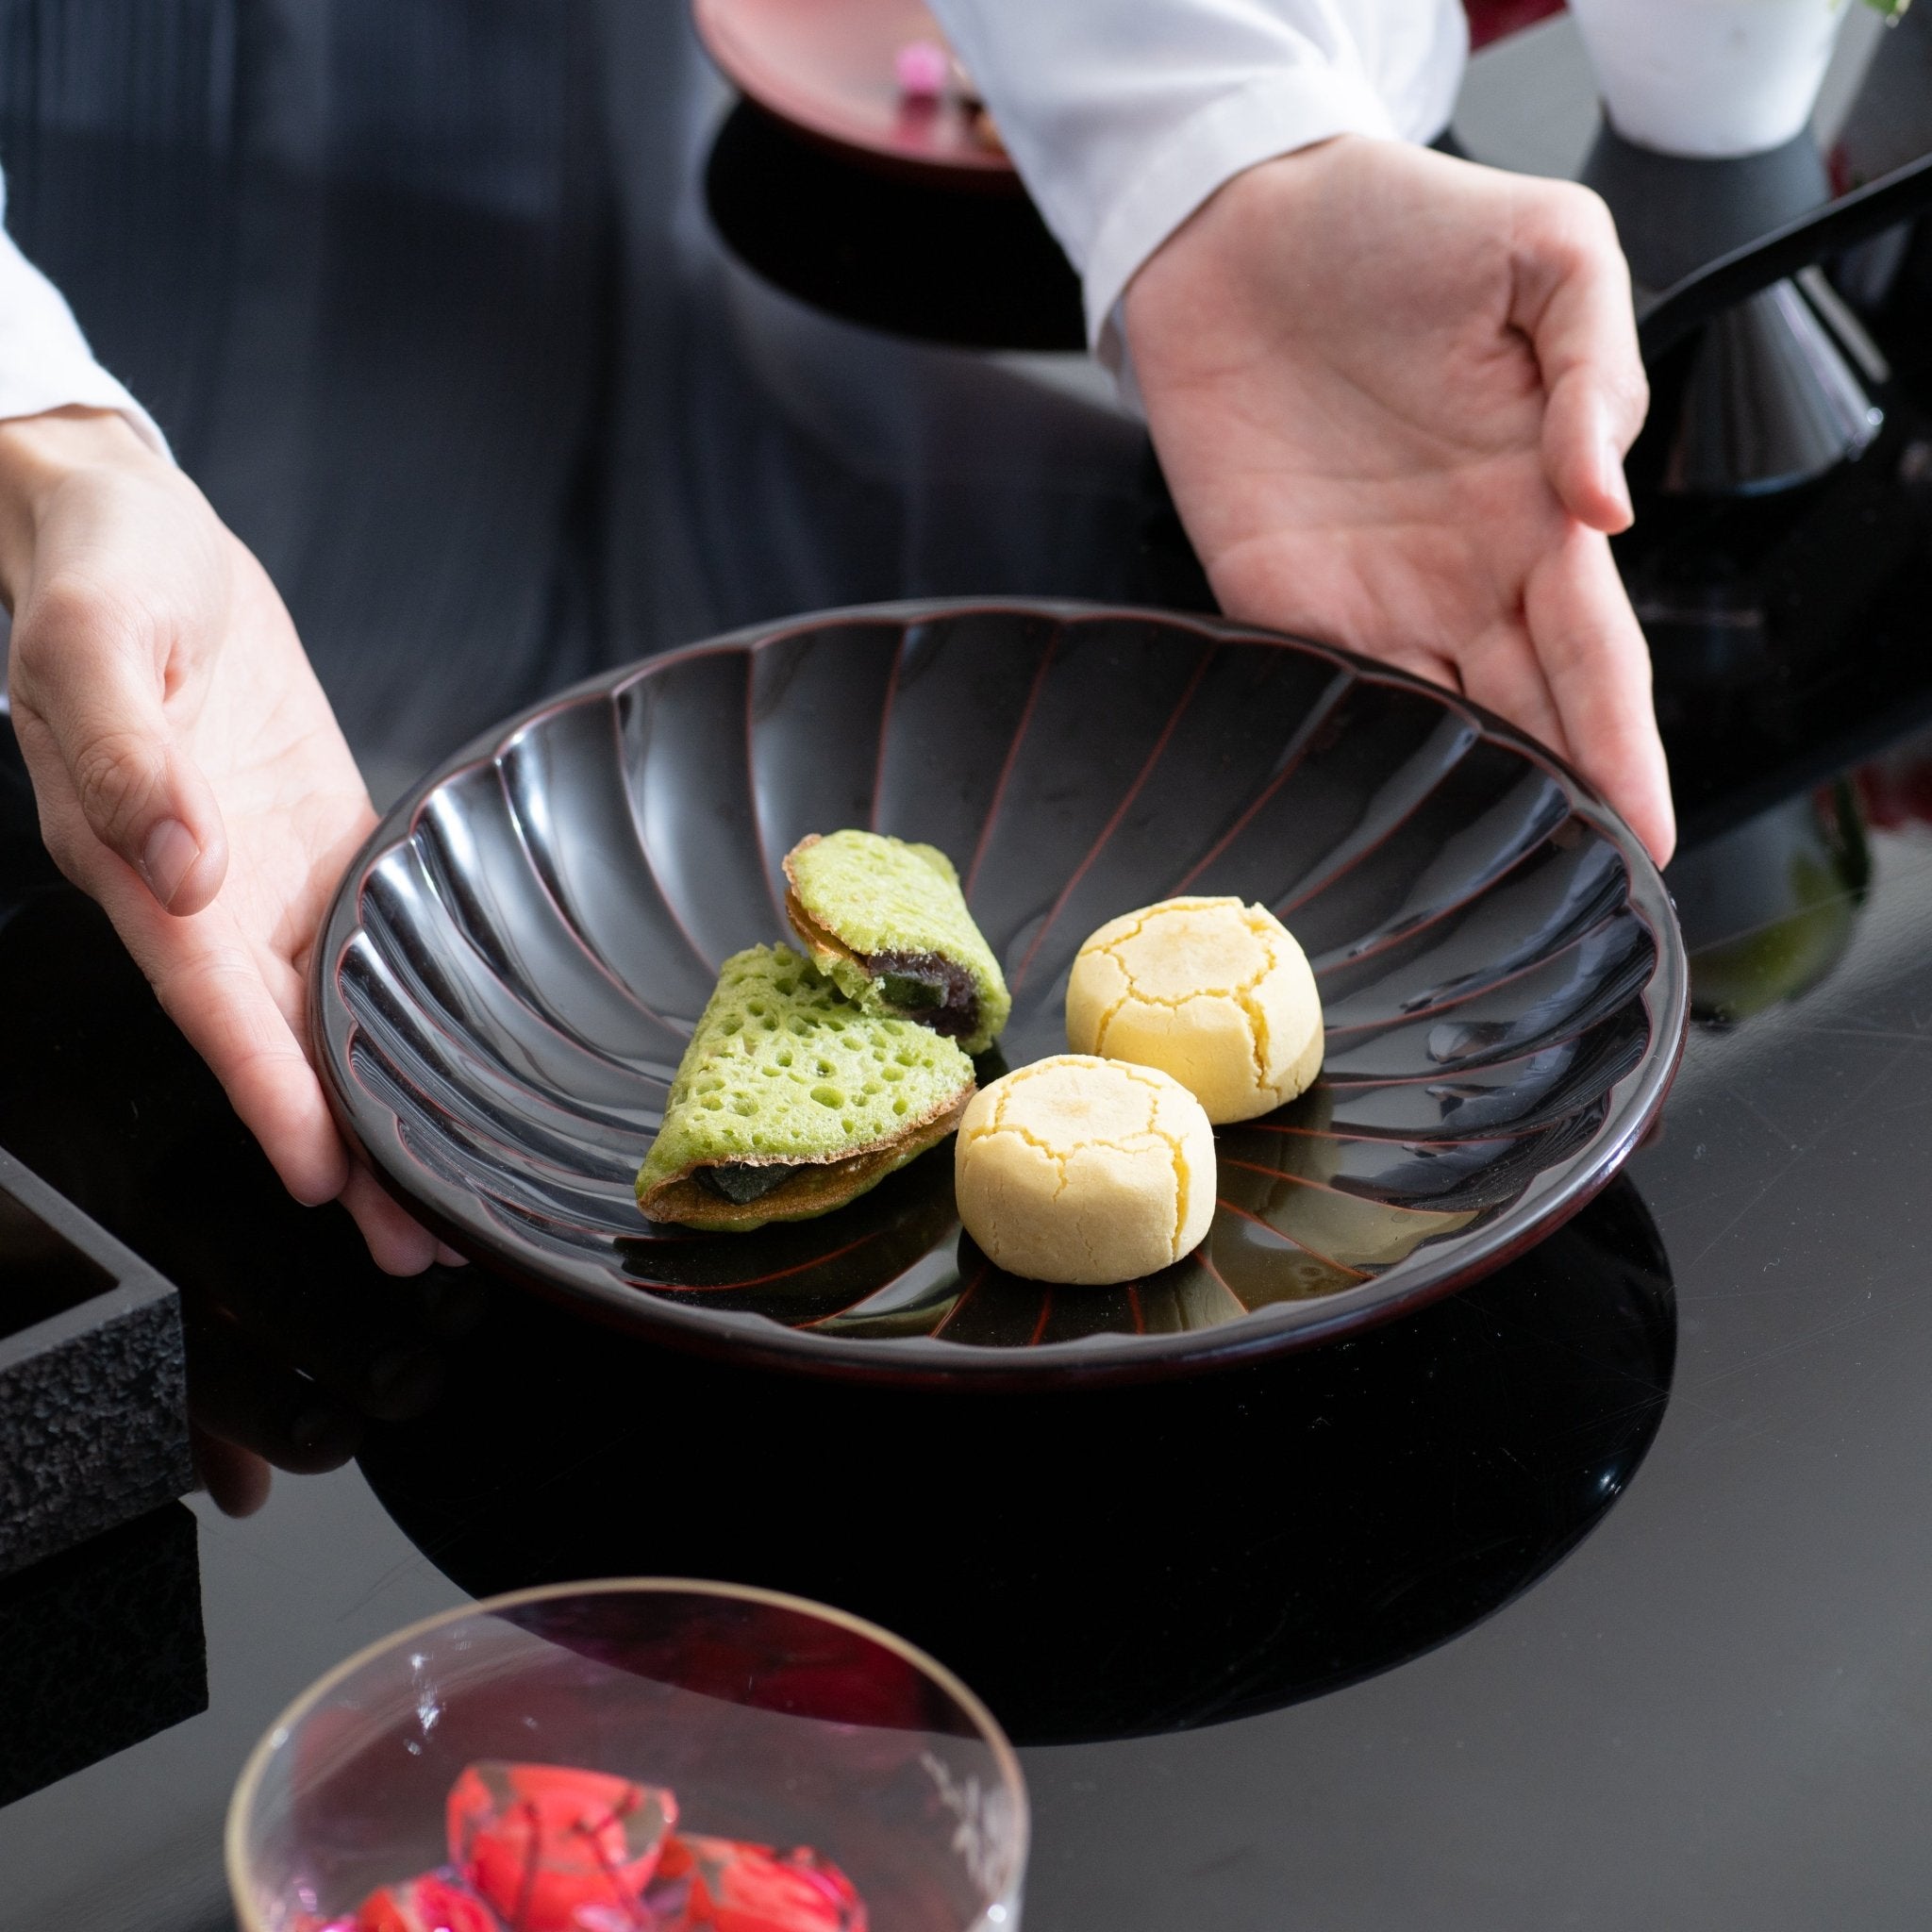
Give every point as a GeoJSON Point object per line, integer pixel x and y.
{"type": "Point", "coordinates": [877, 895]}
{"type": "Point", "coordinates": [781, 1068]}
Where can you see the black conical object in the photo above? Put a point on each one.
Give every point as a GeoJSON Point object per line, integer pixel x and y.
{"type": "Point", "coordinates": [1776, 391]}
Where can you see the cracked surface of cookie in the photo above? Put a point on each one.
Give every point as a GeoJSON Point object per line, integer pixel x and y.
{"type": "Point", "coordinates": [1083, 1170]}
{"type": "Point", "coordinates": [1212, 991]}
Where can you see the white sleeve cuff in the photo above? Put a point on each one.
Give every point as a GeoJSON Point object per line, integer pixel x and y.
{"type": "Point", "coordinates": [1274, 114]}
{"type": "Point", "coordinates": [1123, 116]}
{"type": "Point", "coordinates": [45, 361]}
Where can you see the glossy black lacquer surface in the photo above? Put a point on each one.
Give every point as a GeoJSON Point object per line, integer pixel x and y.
{"type": "Point", "coordinates": [431, 301]}
{"type": "Point", "coordinates": [1525, 1407]}
{"type": "Point", "coordinates": [951, 265]}
{"type": "Point", "coordinates": [512, 967]}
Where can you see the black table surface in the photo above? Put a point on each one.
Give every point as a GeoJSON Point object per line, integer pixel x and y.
{"type": "Point", "coordinates": [1596, 1596]}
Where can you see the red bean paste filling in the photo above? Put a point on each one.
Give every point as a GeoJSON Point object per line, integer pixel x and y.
{"type": "Point", "coordinates": [928, 987]}
{"type": "Point", "coordinates": [738, 1181]}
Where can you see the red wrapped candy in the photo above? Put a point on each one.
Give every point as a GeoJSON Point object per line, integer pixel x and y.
{"type": "Point", "coordinates": [429, 1904]}
{"type": "Point", "coordinates": [556, 1850]}
{"type": "Point", "coordinates": [741, 1887]}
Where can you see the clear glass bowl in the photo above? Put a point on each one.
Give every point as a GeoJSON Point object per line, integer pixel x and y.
{"type": "Point", "coordinates": [772, 1720]}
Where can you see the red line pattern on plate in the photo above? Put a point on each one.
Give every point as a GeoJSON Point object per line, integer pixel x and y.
{"type": "Point", "coordinates": [1324, 709]}
{"type": "Point", "coordinates": [1275, 1173]}
{"type": "Point", "coordinates": [999, 790]}
{"type": "Point", "coordinates": [1468, 992]}
{"type": "Point", "coordinates": [1201, 1256]}
{"type": "Point", "coordinates": [1282, 1234]}
{"type": "Point", "coordinates": [878, 766]}
{"type": "Point", "coordinates": [751, 786]}
{"type": "Point", "coordinates": [1121, 810]}
{"type": "Point", "coordinates": [1325, 880]}
{"type": "Point", "coordinates": [643, 844]}
{"type": "Point", "coordinates": [598, 963]}
{"type": "Point", "coordinates": [965, 1296]}
{"type": "Point", "coordinates": [864, 1241]}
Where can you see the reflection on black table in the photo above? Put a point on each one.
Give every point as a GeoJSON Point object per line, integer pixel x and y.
{"type": "Point", "coordinates": [1096, 1564]}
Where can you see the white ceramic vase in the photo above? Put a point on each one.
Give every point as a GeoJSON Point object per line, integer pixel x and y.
{"type": "Point", "coordinates": [1713, 78]}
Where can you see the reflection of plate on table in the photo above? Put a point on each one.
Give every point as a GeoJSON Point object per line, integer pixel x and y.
{"type": "Point", "coordinates": [826, 69]}
{"type": "Point", "coordinates": [508, 976]}
{"type": "Point", "coordinates": [1416, 1480]}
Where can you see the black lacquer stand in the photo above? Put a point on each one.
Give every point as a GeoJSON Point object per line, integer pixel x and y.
{"type": "Point", "coordinates": [100, 1647]}
{"type": "Point", "coordinates": [1744, 226]}
{"type": "Point", "coordinates": [969, 266]}
{"type": "Point", "coordinates": [1772, 390]}
{"type": "Point", "coordinates": [1763, 376]}
{"type": "Point", "coordinates": [93, 1397]}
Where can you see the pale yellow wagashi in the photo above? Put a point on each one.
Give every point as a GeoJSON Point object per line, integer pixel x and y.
{"type": "Point", "coordinates": [1082, 1170]}
{"type": "Point", "coordinates": [1212, 991]}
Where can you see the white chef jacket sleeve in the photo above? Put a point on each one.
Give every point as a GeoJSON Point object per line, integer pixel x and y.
{"type": "Point", "coordinates": [44, 360]}
{"type": "Point", "coordinates": [1123, 116]}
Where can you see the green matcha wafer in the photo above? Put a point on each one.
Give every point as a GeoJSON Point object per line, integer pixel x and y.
{"type": "Point", "coordinates": [888, 921]}
{"type": "Point", "coordinates": [790, 1101]}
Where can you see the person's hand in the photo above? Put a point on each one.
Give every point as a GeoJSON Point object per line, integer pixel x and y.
{"type": "Point", "coordinates": [1392, 393]}
{"type": "Point", "coordinates": [189, 771]}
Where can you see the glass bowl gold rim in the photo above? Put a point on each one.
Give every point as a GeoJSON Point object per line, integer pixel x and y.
{"type": "Point", "coordinates": [234, 1858]}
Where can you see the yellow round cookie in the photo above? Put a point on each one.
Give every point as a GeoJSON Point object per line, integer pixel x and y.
{"type": "Point", "coordinates": [1085, 1170]}
{"type": "Point", "coordinates": [1215, 993]}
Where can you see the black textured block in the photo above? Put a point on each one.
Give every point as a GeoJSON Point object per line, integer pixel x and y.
{"type": "Point", "coordinates": [99, 1648]}
{"type": "Point", "coordinates": [93, 1394]}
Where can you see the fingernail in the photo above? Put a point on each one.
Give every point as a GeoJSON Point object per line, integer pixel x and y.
{"type": "Point", "coordinates": [167, 858]}
{"type": "Point", "coordinates": [1615, 485]}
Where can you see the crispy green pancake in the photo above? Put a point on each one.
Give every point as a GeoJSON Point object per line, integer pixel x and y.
{"type": "Point", "coordinates": [889, 923]}
{"type": "Point", "coordinates": [790, 1102]}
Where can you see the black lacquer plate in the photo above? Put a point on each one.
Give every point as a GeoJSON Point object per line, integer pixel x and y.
{"type": "Point", "coordinates": [509, 971]}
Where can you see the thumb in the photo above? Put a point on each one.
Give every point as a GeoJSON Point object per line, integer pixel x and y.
{"type": "Point", "coordinates": [94, 678]}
